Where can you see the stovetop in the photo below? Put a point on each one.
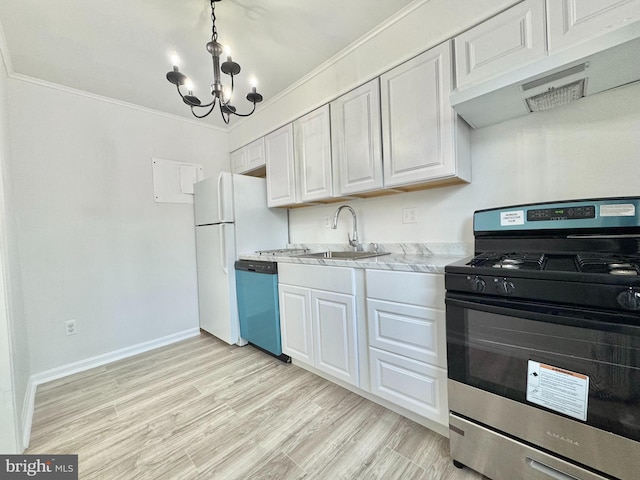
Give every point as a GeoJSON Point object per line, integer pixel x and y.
{"type": "Point", "coordinates": [578, 253]}
{"type": "Point", "coordinates": [596, 263]}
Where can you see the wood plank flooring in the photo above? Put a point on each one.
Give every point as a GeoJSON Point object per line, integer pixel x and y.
{"type": "Point", "coordinates": [200, 409]}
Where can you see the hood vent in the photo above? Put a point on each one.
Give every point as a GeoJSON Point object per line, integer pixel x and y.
{"type": "Point", "coordinates": [555, 97]}
{"type": "Point", "coordinates": [604, 62]}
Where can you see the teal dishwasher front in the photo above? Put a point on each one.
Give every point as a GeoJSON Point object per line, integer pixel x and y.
{"type": "Point", "coordinates": [258, 308]}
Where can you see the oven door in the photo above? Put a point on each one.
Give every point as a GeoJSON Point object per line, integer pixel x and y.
{"type": "Point", "coordinates": [566, 380]}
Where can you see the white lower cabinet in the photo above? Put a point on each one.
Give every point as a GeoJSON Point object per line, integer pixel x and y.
{"type": "Point", "coordinates": [395, 350]}
{"type": "Point", "coordinates": [407, 341]}
{"type": "Point", "coordinates": [318, 318]}
{"type": "Point", "coordinates": [334, 335]}
{"type": "Point", "coordinates": [295, 322]}
{"type": "Point", "coordinates": [416, 386]}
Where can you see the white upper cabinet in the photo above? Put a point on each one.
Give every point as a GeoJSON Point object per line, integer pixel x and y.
{"type": "Point", "coordinates": [239, 160]}
{"type": "Point", "coordinates": [423, 140]}
{"type": "Point", "coordinates": [574, 21]}
{"type": "Point", "coordinates": [255, 155]}
{"type": "Point", "coordinates": [356, 140]}
{"type": "Point", "coordinates": [281, 180]}
{"type": "Point", "coordinates": [248, 158]}
{"type": "Point", "coordinates": [501, 44]}
{"type": "Point", "coordinates": [313, 155]}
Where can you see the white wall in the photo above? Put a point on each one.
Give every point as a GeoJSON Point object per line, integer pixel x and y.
{"type": "Point", "coordinates": [94, 246]}
{"type": "Point", "coordinates": [587, 149]}
{"type": "Point", "coordinates": [14, 350]}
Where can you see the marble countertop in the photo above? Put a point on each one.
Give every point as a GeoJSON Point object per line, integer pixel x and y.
{"type": "Point", "coordinates": [427, 258]}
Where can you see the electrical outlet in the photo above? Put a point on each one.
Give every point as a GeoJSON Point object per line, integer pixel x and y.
{"type": "Point", "coordinates": [409, 215]}
{"type": "Point", "coordinates": [70, 327]}
{"type": "Point", "coordinates": [327, 222]}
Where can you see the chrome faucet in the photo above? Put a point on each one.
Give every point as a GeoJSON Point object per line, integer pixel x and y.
{"type": "Point", "coordinates": [353, 240]}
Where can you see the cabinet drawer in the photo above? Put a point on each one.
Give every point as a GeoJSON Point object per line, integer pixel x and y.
{"type": "Point", "coordinates": [425, 289]}
{"type": "Point", "coordinates": [413, 385]}
{"type": "Point", "coordinates": [408, 330]}
{"type": "Point", "coordinates": [319, 277]}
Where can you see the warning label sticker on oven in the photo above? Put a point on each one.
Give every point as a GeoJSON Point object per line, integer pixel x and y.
{"type": "Point", "coordinates": [515, 217]}
{"type": "Point", "coordinates": [558, 389]}
{"type": "Point", "coordinates": [618, 210]}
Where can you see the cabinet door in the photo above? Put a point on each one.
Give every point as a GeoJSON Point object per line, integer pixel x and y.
{"type": "Point", "coordinates": [417, 119]}
{"type": "Point", "coordinates": [313, 155]}
{"type": "Point", "coordinates": [334, 334]}
{"type": "Point", "coordinates": [501, 44]}
{"type": "Point", "coordinates": [356, 140]}
{"type": "Point", "coordinates": [295, 322]}
{"type": "Point", "coordinates": [255, 154]}
{"type": "Point", "coordinates": [574, 21]}
{"type": "Point", "coordinates": [413, 385]}
{"type": "Point", "coordinates": [239, 160]}
{"type": "Point", "coordinates": [281, 180]}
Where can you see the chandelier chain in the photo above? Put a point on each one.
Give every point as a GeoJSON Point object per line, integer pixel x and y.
{"type": "Point", "coordinates": [214, 30]}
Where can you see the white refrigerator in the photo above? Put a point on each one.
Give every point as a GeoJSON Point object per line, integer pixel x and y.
{"type": "Point", "coordinates": [231, 217]}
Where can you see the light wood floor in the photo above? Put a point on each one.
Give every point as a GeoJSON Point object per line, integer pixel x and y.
{"type": "Point", "coordinates": [201, 409]}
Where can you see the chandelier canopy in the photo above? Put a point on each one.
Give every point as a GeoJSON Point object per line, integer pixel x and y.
{"type": "Point", "coordinates": [221, 96]}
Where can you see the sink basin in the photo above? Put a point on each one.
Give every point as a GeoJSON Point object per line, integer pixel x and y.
{"type": "Point", "coordinates": [343, 255]}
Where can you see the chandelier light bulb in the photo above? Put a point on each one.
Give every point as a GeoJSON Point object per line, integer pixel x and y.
{"type": "Point", "coordinates": [254, 82]}
{"type": "Point", "coordinates": [227, 94]}
{"type": "Point", "coordinates": [189, 86]}
{"type": "Point", "coordinates": [175, 59]}
{"type": "Point", "coordinates": [227, 52]}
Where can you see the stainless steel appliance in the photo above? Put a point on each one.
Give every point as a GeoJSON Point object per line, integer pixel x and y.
{"type": "Point", "coordinates": [543, 342]}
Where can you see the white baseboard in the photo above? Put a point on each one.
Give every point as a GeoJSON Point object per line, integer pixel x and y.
{"type": "Point", "coordinates": [82, 365]}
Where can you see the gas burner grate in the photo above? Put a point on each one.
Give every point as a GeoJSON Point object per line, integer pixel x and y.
{"type": "Point", "coordinates": [512, 261]}
{"type": "Point", "coordinates": [609, 264]}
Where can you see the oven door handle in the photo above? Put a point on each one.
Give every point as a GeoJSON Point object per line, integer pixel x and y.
{"type": "Point", "coordinates": [549, 471]}
{"type": "Point", "coordinates": [558, 314]}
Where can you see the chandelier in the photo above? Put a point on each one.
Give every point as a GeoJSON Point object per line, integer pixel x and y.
{"type": "Point", "coordinates": [221, 96]}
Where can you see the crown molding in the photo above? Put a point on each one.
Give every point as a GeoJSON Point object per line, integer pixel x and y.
{"type": "Point", "coordinates": [395, 18]}
{"type": "Point", "coordinates": [101, 98]}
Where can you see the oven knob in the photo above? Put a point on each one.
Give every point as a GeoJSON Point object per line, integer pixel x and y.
{"type": "Point", "coordinates": [506, 287]}
{"type": "Point", "coordinates": [629, 299]}
{"type": "Point", "coordinates": [476, 284]}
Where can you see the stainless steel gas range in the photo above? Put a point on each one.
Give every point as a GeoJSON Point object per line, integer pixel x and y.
{"type": "Point", "coordinates": [543, 342]}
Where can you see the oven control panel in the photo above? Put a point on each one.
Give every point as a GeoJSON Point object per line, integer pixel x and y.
{"type": "Point", "coordinates": [570, 213]}
{"type": "Point", "coordinates": [572, 216]}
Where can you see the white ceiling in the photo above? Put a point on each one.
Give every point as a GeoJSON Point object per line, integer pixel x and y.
{"type": "Point", "coordinates": [121, 48]}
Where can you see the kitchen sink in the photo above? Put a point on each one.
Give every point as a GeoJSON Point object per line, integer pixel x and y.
{"type": "Point", "coordinates": [343, 255]}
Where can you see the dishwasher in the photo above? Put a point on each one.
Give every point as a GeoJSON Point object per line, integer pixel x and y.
{"type": "Point", "coordinates": [258, 308]}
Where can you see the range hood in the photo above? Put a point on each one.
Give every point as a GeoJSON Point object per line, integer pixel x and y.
{"type": "Point", "coordinates": [600, 64]}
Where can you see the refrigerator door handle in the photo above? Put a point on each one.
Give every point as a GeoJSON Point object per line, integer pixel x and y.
{"type": "Point", "coordinates": [220, 197]}
{"type": "Point", "coordinates": [223, 249]}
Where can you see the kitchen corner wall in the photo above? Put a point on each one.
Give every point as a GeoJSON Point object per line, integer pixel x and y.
{"type": "Point", "coordinates": [94, 245]}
